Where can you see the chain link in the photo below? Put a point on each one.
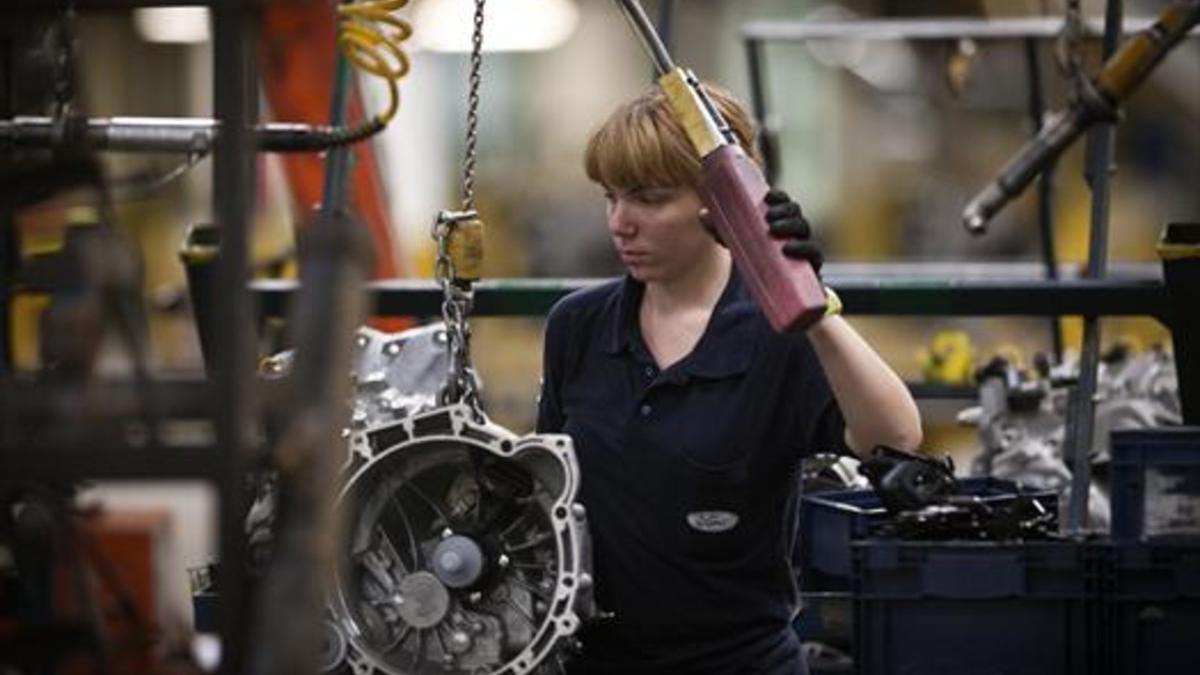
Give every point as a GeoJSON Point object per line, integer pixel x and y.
{"type": "Point", "coordinates": [473, 79]}
{"type": "Point", "coordinates": [462, 382]}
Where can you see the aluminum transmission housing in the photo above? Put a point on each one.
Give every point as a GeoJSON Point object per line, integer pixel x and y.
{"type": "Point", "coordinates": [465, 549]}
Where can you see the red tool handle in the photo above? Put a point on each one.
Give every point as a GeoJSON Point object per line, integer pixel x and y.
{"type": "Point", "coordinates": [787, 290]}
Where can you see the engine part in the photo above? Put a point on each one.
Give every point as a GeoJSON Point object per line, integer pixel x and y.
{"type": "Point", "coordinates": [828, 471]}
{"type": "Point", "coordinates": [1021, 419]}
{"type": "Point", "coordinates": [970, 518]}
{"type": "Point", "coordinates": [466, 550]}
{"type": "Point", "coordinates": [905, 481]}
{"type": "Point", "coordinates": [395, 375]}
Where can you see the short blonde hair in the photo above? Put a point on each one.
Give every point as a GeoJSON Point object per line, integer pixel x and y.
{"type": "Point", "coordinates": [641, 144]}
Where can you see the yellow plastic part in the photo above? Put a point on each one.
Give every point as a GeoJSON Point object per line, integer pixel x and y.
{"type": "Point", "coordinates": [700, 128]}
{"type": "Point", "coordinates": [950, 359]}
{"type": "Point", "coordinates": [465, 248]}
{"type": "Point", "coordinates": [833, 302]}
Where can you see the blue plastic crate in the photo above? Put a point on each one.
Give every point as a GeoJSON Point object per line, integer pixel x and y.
{"type": "Point", "coordinates": [1155, 484]}
{"type": "Point", "coordinates": [829, 522]}
{"type": "Point", "coordinates": [981, 608]}
{"type": "Point", "coordinates": [1152, 609]}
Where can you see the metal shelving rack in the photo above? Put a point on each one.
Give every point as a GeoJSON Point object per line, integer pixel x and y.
{"type": "Point", "coordinates": [230, 397]}
{"type": "Point", "coordinates": [1110, 298]}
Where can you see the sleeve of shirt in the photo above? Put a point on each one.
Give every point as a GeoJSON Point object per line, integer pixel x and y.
{"type": "Point", "coordinates": [822, 427]}
{"type": "Point", "coordinates": [550, 415]}
{"type": "Point", "coordinates": [829, 429]}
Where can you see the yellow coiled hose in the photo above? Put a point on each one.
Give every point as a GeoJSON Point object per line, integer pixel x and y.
{"type": "Point", "coordinates": [371, 37]}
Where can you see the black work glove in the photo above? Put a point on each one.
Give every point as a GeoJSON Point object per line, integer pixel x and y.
{"type": "Point", "coordinates": [904, 481]}
{"type": "Point", "coordinates": [786, 221]}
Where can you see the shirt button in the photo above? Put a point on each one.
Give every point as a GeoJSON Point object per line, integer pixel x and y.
{"type": "Point", "coordinates": [649, 371]}
{"type": "Point", "coordinates": [645, 409]}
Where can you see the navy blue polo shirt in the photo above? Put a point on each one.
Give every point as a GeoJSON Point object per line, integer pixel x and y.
{"type": "Point", "coordinates": [689, 476]}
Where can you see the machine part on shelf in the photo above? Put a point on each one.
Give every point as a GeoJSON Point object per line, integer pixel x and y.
{"type": "Point", "coordinates": [1021, 419]}
{"type": "Point", "coordinates": [969, 518]}
{"type": "Point", "coordinates": [467, 552]}
{"type": "Point", "coordinates": [732, 188]}
{"type": "Point", "coordinates": [905, 481]}
{"type": "Point", "coordinates": [949, 359]}
{"type": "Point", "coordinates": [825, 471]}
{"type": "Point", "coordinates": [1095, 101]}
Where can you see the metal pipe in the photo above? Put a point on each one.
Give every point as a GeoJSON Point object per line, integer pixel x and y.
{"type": "Point", "coordinates": [666, 23]}
{"type": "Point", "coordinates": [863, 296]}
{"type": "Point", "coordinates": [235, 32]}
{"type": "Point", "coordinates": [1081, 411]}
{"type": "Point", "coordinates": [927, 29]}
{"type": "Point", "coordinates": [337, 161]}
{"type": "Point", "coordinates": [1045, 193]}
{"type": "Point", "coordinates": [1096, 102]}
{"type": "Point", "coordinates": [641, 24]}
{"type": "Point", "coordinates": [196, 136]}
{"type": "Point", "coordinates": [767, 143]}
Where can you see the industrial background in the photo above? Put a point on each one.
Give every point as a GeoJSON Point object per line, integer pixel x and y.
{"type": "Point", "coordinates": [157, 267]}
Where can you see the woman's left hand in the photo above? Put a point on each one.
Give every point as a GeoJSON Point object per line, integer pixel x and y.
{"type": "Point", "coordinates": [786, 221]}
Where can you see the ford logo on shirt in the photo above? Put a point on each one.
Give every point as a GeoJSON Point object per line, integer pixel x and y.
{"type": "Point", "coordinates": [712, 521]}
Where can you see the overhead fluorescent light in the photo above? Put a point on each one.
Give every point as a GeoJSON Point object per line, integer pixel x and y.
{"type": "Point", "coordinates": [509, 25]}
{"type": "Point", "coordinates": [178, 25]}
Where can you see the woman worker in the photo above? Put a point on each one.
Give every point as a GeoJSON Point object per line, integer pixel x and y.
{"type": "Point", "coordinates": [690, 416]}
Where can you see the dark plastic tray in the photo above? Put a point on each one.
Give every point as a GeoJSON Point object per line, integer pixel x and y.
{"type": "Point", "coordinates": [1152, 609]}
{"type": "Point", "coordinates": [1155, 484]}
{"type": "Point", "coordinates": [829, 522]}
{"type": "Point", "coordinates": [957, 607]}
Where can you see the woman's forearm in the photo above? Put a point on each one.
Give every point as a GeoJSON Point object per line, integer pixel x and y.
{"type": "Point", "coordinates": [876, 404]}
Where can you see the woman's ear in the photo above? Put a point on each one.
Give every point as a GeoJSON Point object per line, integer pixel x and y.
{"type": "Point", "coordinates": [711, 227]}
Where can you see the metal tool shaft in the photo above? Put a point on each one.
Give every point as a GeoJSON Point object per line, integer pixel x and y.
{"type": "Point", "coordinates": [645, 29]}
{"type": "Point", "coordinates": [159, 135]}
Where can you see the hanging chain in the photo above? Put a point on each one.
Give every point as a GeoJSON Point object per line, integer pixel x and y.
{"type": "Point", "coordinates": [462, 383]}
{"type": "Point", "coordinates": [473, 109]}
